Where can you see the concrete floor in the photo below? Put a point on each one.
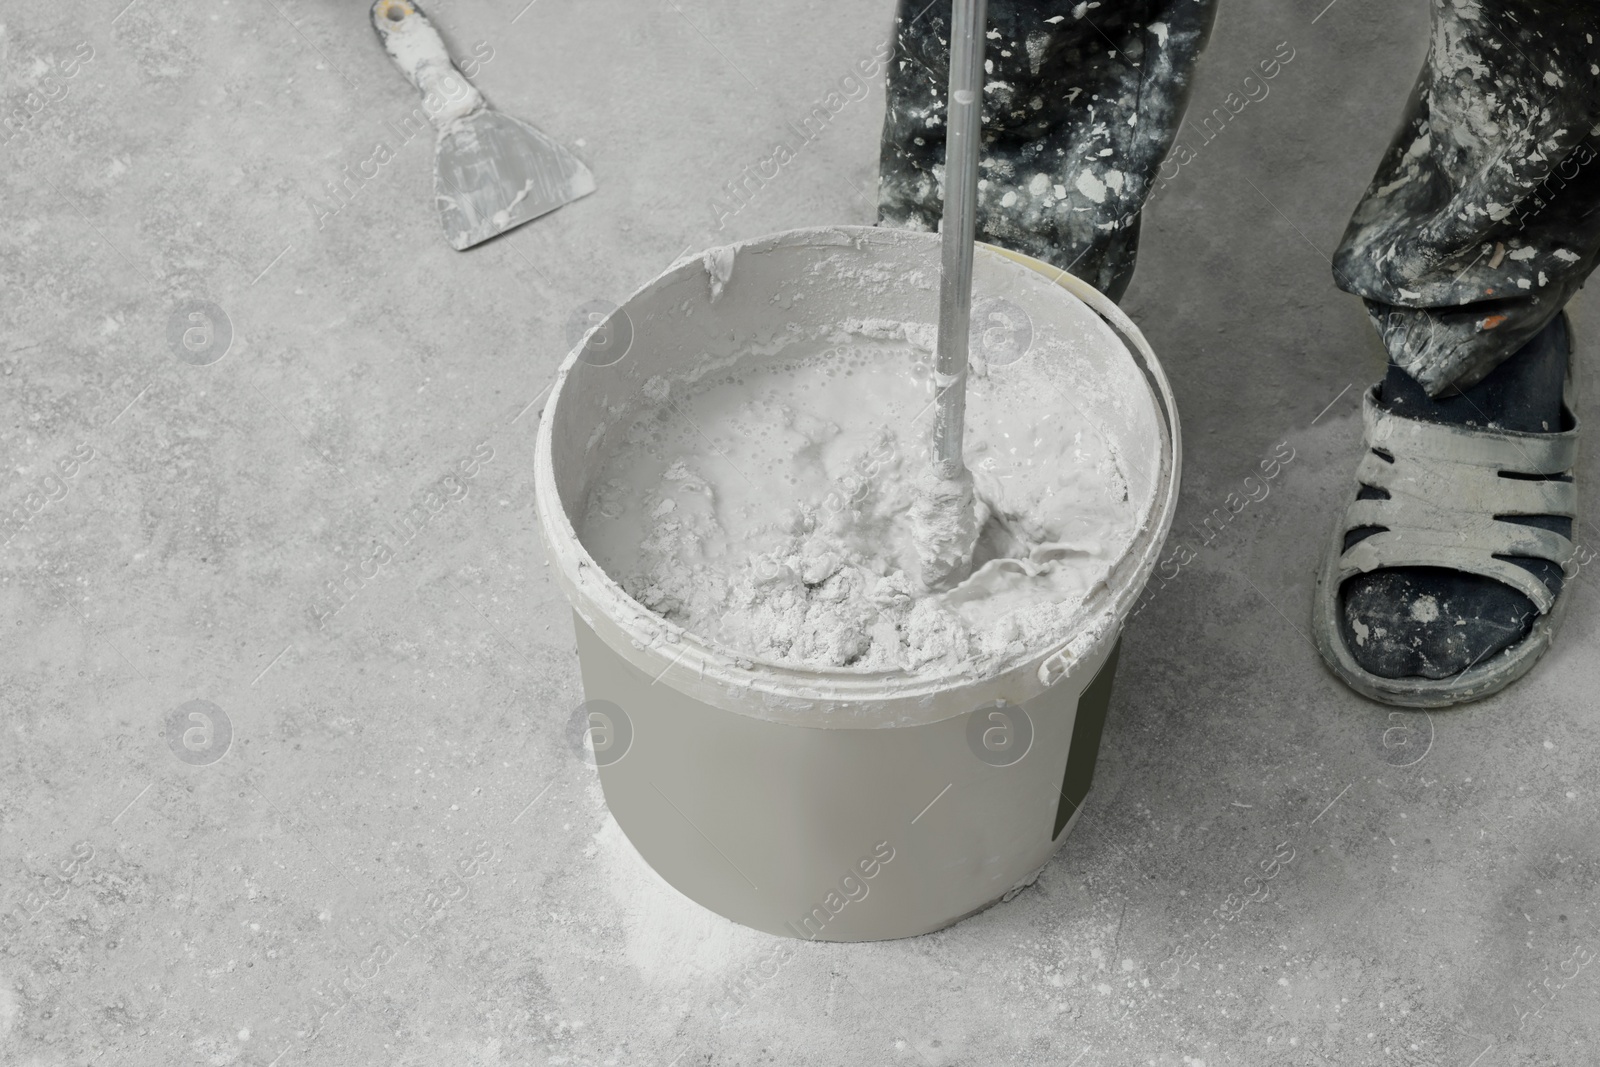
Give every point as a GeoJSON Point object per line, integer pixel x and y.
{"type": "Point", "coordinates": [168, 912]}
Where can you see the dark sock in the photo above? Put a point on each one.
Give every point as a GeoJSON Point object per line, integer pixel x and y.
{"type": "Point", "coordinates": [1432, 622]}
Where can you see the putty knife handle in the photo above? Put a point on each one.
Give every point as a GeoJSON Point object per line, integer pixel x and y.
{"type": "Point", "coordinates": [419, 52]}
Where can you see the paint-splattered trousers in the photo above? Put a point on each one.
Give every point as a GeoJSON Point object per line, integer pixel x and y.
{"type": "Point", "coordinates": [1482, 220]}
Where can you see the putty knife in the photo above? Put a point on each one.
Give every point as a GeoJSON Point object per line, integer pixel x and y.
{"type": "Point", "coordinates": [492, 172]}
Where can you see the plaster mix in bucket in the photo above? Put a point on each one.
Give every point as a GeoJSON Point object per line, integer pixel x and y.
{"type": "Point", "coordinates": [724, 479]}
{"type": "Point", "coordinates": [761, 499]}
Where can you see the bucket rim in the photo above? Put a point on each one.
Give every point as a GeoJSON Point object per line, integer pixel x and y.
{"type": "Point", "coordinates": [675, 655]}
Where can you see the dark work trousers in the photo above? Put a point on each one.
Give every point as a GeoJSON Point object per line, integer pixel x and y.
{"type": "Point", "coordinates": [1482, 220]}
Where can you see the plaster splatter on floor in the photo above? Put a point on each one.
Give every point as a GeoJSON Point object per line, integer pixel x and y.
{"type": "Point", "coordinates": [670, 939]}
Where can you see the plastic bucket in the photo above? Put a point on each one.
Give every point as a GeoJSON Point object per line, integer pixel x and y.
{"type": "Point", "coordinates": [842, 805]}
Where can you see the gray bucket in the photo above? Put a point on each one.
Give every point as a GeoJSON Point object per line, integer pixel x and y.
{"type": "Point", "coordinates": [842, 805]}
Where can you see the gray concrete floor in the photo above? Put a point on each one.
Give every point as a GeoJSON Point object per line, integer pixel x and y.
{"type": "Point", "coordinates": [1444, 873]}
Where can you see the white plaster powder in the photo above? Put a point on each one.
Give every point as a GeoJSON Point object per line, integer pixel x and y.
{"type": "Point", "coordinates": [765, 506]}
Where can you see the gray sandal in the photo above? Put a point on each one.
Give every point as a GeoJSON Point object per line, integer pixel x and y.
{"type": "Point", "coordinates": [1448, 488]}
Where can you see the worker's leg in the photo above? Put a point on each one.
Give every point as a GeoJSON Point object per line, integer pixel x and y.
{"type": "Point", "coordinates": [1484, 216]}
{"type": "Point", "coordinates": [1080, 108]}
{"type": "Point", "coordinates": [1482, 221]}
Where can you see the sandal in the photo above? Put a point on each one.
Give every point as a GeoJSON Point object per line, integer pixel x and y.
{"type": "Point", "coordinates": [1439, 495]}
